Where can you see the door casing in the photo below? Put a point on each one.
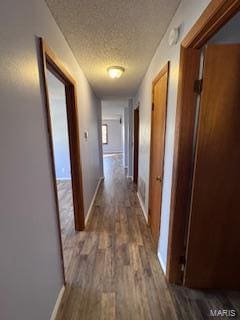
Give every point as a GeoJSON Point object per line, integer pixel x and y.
{"type": "Point", "coordinates": [48, 60]}
{"type": "Point", "coordinates": [136, 145]}
{"type": "Point", "coordinates": [212, 237]}
{"type": "Point", "coordinates": [217, 13]}
{"type": "Point", "coordinates": [164, 71]}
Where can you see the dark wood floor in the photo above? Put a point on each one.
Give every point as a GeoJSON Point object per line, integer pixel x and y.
{"type": "Point", "coordinates": [113, 271]}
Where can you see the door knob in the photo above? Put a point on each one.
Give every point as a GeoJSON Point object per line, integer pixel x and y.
{"type": "Point", "coordinates": [158, 178]}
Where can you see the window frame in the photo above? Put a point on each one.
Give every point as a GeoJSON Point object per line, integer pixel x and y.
{"type": "Point", "coordinates": [105, 125]}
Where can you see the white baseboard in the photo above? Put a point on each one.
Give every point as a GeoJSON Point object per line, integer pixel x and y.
{"type": "Point", "coordinates": [163, 266]}
{"type": "Point", "coordinates": [57, 304]}
{"type": "Point", "coordinates": [142, 206]}
{"type": "Point", "coordinates": [93, 199]}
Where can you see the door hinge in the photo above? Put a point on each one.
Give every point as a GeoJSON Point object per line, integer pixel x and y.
{"type": "Point", "coordinates": [182, 262]}
{"type": "Point", "coordinates": [149, 217]}
{"type": "Point", "coordinates": [198, 86]}
{"type": "Point", "coordinates": [152, 106]}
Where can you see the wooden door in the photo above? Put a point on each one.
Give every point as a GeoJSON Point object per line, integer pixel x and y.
{"type": "Point", "coordinates": [159, 111]}
{"type": "Point", "coordinates": [136, 145]}
{"type": "Point", "coordinates": [213, 247]}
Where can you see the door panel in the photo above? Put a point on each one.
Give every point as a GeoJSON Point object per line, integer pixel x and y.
{"type": "Point", "coordinates": [159, 111]}
{"type": "Point", "coordinates": [136, 145]}
{"type": "Point", "coordinates": [213, 248]}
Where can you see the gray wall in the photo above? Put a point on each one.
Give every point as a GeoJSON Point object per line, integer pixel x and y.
{"type": "Point", "coordinates": [130, 138]}
{"type": "Point", "coordinates": [58, 112]}
{"type": "Point", "coordinates": [126, 136]}
{"type": "Point", "coordinates": [100, 147]}
{"type": "Point", "coordinates": [30, 272]}
{"type": "Point", "coordinates": [186, 15]}
{"type": "Point", "coordinates": [230, 33]}
{"type": "Point", "coordinates": [115, 143]}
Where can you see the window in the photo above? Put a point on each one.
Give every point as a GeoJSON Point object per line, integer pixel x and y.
{"type": "Point", "coordinates": [104, 134]}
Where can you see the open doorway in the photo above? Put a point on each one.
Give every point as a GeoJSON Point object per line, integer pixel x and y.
{"type": "Point", "coordinates": [64, 146]}
{"type": "Point", "coordinates": [215, 185]}
{"type": "Point", "coordinates": [204, 220]}
{"type": "Point", "coordinates": [114, 135]}
{"type": "Point", "coordinates": [135, 144]}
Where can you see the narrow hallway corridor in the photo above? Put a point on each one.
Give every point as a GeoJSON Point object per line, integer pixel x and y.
{"type": "Point", "coordinates": [114, 272]}
{"type": "Point", "coordinates": [113, 202]}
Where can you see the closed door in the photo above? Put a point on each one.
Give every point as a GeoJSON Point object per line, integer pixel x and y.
{"type": "Point", "coordinates": [213, 245]}
{"type": "Point", "coordinates": [159, 110]}
{"type": "Point", "coordinates": [136, 145]}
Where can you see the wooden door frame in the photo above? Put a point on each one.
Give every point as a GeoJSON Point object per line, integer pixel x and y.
{"type": "Point", "coordinates": [136, 146]}
{"type": "Point", "coordinates": [217, 13]}
{"type": "Point", "coordinates": [165, 69]}
{"type": "Point", "coordinates": [49, 61]}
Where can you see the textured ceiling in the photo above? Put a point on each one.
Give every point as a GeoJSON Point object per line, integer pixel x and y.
{"type": "Point", "coordinates": [102, 33]}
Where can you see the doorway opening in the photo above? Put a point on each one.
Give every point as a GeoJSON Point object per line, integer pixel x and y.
{"type": "Point", "coordinates": [199, 143]}
{"type": "Point", "coordinates": [62, 122]}
{"type": "Point", "coordinates": [135, 144]}
{"type": "Point", "coordinates": [115, 135]}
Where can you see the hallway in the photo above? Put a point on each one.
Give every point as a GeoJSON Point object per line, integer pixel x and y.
{"type": "Point", "coordinates": [106, 93]}
{"type": "Point", "coordinates": [114, 272]}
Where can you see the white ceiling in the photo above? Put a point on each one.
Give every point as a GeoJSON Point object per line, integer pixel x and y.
{"type": "Point", "coordinates": [113, 109]}
{"type": "Point", "coordinates": [102, 33]}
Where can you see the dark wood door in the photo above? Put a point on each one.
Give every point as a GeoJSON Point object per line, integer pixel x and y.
{"type": "Point", "coordinates": [213, 247]}
{"type": "Point", "coordinates": [159, 111]}
{"type": "Point", "coordinates": [136, 145]}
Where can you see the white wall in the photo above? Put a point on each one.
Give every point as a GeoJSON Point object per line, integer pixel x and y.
{"type": "Point", "coordinates": [130, 138]}
{"type": "Point", "coordinates": [100, 147]}
{"type": "Point", "coordinates": [186, 15]}
{"type": "Point", "coordinates": [115, 143]}
{"type": "Point", "coordinates": [113, 108]}
{"type": "Point", "coordinates": [30, 270]}
{"type": "Point", "coordinates": [230, 33]}
{"type": "Point", "coordinates": [58, 112]}
{"type": "Point", "coordinates": [126, 136]}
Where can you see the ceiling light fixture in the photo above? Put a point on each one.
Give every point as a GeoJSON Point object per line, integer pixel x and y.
{"type": "Point", "coordinates": [115, 72]}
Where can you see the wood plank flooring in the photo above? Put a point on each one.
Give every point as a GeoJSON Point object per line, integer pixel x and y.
{"type": "Point", "coordinates": [68, 234]}
{"type": "Point", "coordinates": [113, 271]}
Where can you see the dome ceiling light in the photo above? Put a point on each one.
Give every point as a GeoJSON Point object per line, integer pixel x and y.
{"type": "Point", "coordinates": [115, 72]}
